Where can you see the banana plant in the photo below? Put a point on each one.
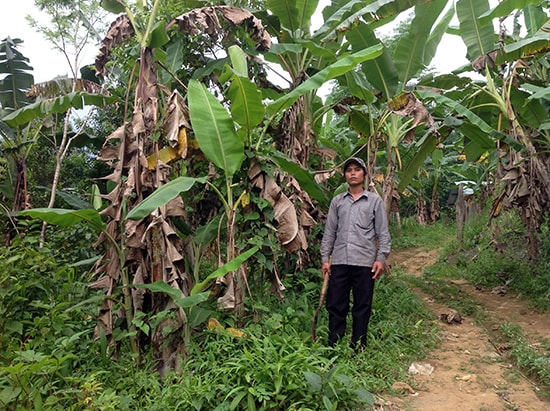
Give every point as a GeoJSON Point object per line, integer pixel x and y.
{"type": "Point", "coordinates": [391, 74]}
{"type": "Point", "coordinates": [92, 217]}
{"type": "Point", "coordinates": [154, 136]}
{"type": "Point", "coordinates": [16, 142]}
{"type": "Point", "coordinates": [519, 116]}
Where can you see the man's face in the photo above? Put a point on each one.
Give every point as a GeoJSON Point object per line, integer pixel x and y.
{"type": "Point", "coordinates": [354, 174]}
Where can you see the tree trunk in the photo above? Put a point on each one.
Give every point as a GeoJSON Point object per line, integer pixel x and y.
{"type": "Point", "coordinates": [434, 204]}
{"type": "Point", "coordinates": [421, 208]}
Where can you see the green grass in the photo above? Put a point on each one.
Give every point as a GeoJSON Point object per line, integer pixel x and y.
{"type": "Point", "coordinates": [413, 235]}
{"type": "Point", "coordinates": [534, 361]}
{"type": "Point", "coordinates": [50, 358]}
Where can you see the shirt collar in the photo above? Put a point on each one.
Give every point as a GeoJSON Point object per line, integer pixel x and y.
{"type": "Point", "coordinates": [363, 194]}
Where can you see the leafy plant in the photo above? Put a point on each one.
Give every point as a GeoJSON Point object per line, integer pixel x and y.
{"type": "Point", "coordinates": [534, 362]}
{"type": "Point", "coordinates": [264, 370]}
{"type": "Point", "coordinates": [46, 324]}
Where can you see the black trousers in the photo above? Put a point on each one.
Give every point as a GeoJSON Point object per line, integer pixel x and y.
{"type": "Point", "coordinates": [346, 280]}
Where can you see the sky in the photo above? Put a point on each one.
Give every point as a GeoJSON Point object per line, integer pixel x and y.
{"type": "Point", "coordinates": [48, 63]}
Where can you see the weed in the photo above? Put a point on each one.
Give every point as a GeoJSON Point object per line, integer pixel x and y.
{"type": "Point", "coordinates": [412, 234]}
{"type": "Point", "coordinates": [51, 360]}
{"type": "Point", "coordinates": [535, 363]}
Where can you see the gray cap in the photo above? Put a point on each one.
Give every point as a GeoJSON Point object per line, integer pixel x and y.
{"type": "Point", "coordinates": [357, 161]}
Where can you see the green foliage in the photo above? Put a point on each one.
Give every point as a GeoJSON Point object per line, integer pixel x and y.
{"type": "Point", "coordinates": [214, 129]}
{"type": "Point", "coordinates": [489, 256]}
{"type": "Point", "coordinates": [16, 77]}
{"type": "Point", "coordinates": [51, 359]}
{"type": "Point", "coordinates": [413, 234]}
{"type": "Point", "coordinates": [58, 105]}
{"type": "Point", "coordinates": [271, 368]}
{"type": "Point", "coordinates": [536, 362]}
{"type": "Point", "coordinates": [496, 255]}
{"type": "Point", "coordinates": [162, 196]}
{"type": "Point", "coordinates": [47, 320]}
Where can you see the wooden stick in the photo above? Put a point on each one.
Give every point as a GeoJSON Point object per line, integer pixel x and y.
{"type": "Point", "coordinates": [321, 300]}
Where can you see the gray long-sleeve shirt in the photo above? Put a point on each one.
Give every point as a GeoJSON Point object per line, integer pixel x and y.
{"type": "Point", "coordinates": [356, 231]}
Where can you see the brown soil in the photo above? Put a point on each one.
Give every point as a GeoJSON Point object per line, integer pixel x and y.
{"type": "Point", "coordinates": [470, 372]}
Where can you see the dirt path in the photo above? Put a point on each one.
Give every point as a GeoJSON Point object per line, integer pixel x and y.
{"type": "Point", "coordinates": [469, 373]}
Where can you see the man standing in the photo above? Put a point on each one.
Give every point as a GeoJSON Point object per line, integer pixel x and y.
{"type": "Point", "coordinates": [355, 245]}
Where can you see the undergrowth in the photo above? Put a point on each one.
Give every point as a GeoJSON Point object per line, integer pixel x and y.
{"type": "Point", "coordinates": [50, 359]}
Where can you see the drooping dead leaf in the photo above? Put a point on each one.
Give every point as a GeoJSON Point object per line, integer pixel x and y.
{"type": "Point", "coordinates": [486, 60]}
{"type": "Point", "coordinates": [207, 19]}
{"type": "Point", "coordinates": [146, 99]}
{"type": "Point", "coordinates": [151, 251]}
{"type": "Point", "coordinates": [227, 301]}
{"type": "Point", "coordinates": [406, 104]}
{"type": "Point", "coordinates": [289, 232]}
{"type": "Point", "coordinates": [64, 86]}
{"type": "Point", "coordinates": [175, 125]}
{"type": "Point", "coordinates": [176, 119]}
{"type": "Point", "coordinates": [285, 215]}
{"type": "Point", "coordinates": [306, 220]}
{"type": "Point", "coordinates": [120, 31]}
{"type": "Point", "coordinates": [138, 295]}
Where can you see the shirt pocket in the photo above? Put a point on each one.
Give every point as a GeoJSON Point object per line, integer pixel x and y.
{"type": "Point", "coordinates": [365, 220]}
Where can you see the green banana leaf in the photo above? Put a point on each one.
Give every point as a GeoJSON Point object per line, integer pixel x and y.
{"type": "Point", "coordinates": [342, 15]}
{"type": "Point", "coordinates": [303, 176]}
{"type": "Point", "coordinates": [458, 108]}
{"type": "Point", "coordinates": [534, 17]}
{"type": "Point", "coordinates": [381, 71]}
{"type": "Point", "coordinates": [183, 302]}
{"type": "Point", "coordinates": [15, 75]}
{"type": "Point", "coordinates": [293, 14]}
{"type": "Point", "coordinates": [247, 107]}
{"type": "Point", "coordinates": [537, 92]}
{"type": "Point", "coordinates": [537, 44]}
{"type": "Point", "coordinates": [57, 105]}
{"type": "Point", "coordinates": [66, 218]}
{"type": "Point", "coordinates": [505, 8]}
{"type": "Point", "coordinates": [214, 129]}
{"type": "Point", "coordinates": [409, 52]}
{"type": "Point", "coordinates": [436, 36]}
{"type": "Point", "coordinates": [114, 6]}
{"type": "Point", "coordinates": [427, 146]}
{"type": "Point", "coordinates": [479, 38]}
{"type": "Point", "coordinates": [336, 69]}
{"type": "Point", "coordinates": [162, 195]}
{"type": "Point", "coordinates": [224, 269]}
{"type": "Point", "coordinates": [238, 61]}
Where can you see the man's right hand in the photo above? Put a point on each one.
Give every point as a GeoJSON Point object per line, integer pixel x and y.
{"type": "Point", "coordinates": [325, 269]}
